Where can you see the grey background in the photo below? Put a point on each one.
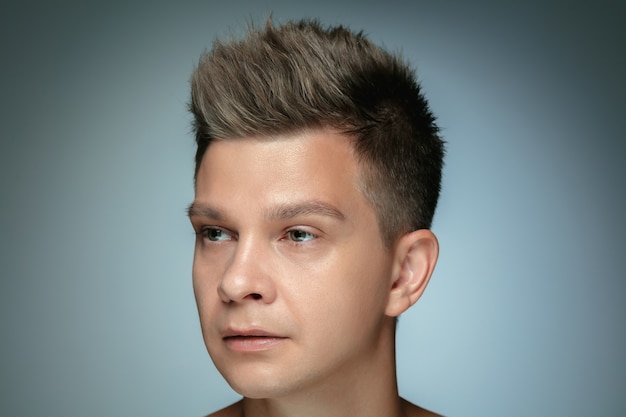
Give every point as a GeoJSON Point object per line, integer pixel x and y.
{"type": "Point", "coordinates": [525, 312]}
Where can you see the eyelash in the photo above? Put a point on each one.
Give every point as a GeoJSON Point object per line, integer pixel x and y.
{"type": "Point", "coordinates": [204, 232]}
{"type": "Point", "coordinates": [288, 235]}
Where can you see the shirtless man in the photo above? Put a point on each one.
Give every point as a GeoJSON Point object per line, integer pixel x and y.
{"type": "Point", "coordinates": [318, 170]}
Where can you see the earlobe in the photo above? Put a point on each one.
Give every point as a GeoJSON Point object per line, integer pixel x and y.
{"type": "Point", "coordinates": [415, 258]}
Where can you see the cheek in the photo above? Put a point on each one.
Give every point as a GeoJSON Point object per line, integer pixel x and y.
{"type": "Point", "coordinates": [204, 279]}
{"type": "Point", "coordinates": [198, 275]}
{"type": "Point", "coordinates": [369, 290]}
{"type": "Point", "coordinates": [343, 290]}
{"type": "Point", "coordinates": [209, 265]}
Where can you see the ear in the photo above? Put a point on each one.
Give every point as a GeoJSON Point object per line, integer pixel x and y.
{"type": "Point", "coordinates": [415, 256]}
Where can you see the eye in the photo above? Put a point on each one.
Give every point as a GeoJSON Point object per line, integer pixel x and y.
{"type": "Point", "coordinates": [298, 235]}
{"type": "Point", "coordinates": [215, 234]}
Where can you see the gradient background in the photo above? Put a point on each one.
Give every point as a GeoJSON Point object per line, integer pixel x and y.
{"type": "Point", "coordinates": [525, 312]}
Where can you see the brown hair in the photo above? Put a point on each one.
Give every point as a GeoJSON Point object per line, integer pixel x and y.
{"type": "Point", "coordinates": [300, 75]}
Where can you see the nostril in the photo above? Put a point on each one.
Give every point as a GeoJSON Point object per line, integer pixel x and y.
{"type": "Point", "coordinates": [256, 296]}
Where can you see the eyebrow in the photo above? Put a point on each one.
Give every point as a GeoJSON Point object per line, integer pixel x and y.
{"type": "Point", "coordinates": [311, 207]}
{"type": "Point", "coordinates": [279, 212]}
{"type": "Point", "coordinates": [201, 210]}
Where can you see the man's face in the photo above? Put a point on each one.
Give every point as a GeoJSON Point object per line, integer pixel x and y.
{"type": "Point", "coordinates": [290, 272]}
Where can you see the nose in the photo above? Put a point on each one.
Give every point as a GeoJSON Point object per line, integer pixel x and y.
{"type": "Point", "coordinates": [248, 276]}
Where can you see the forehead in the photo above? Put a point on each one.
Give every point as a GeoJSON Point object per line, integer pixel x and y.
{"type": "Point", "coordinates": [318, 165]}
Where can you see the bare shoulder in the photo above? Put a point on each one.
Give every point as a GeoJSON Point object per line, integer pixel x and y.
{"type": "Point", "coordinates": [411, 410]}
{"type": "Point", "coordinates": [233, 410]}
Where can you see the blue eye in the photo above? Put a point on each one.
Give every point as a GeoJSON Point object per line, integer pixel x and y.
{"type": "Point", "coordinates": [215, 235]}
{"type": "Point", "coordinates": [298, 235]}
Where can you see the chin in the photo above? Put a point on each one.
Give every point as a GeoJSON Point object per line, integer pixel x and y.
{"type": "Point", "coordinates": [259, 390]}
{"type": "Point", "coordinates": [250, 380]}
{"type": "Point", "coordinates": [259, 382]}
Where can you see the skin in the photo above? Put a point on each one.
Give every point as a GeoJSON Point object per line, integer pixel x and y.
{"type": "Point", "coordinates": [296, 292]}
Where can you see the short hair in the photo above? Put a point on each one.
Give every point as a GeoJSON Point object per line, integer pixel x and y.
{"type": "Point", "coordinates": [301, 75]}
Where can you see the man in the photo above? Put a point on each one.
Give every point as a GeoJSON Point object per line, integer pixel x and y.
{"type": "Point", "coordinates": [318, 170]}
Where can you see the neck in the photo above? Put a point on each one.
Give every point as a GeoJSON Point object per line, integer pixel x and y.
{"type": "Point", "coordinates": [368, 390]}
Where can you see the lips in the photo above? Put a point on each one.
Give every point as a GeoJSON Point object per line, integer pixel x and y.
{"type": "Point", "coordinates": [252, 340]}
{"type": "Point", "coordinates": [247, 333]}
